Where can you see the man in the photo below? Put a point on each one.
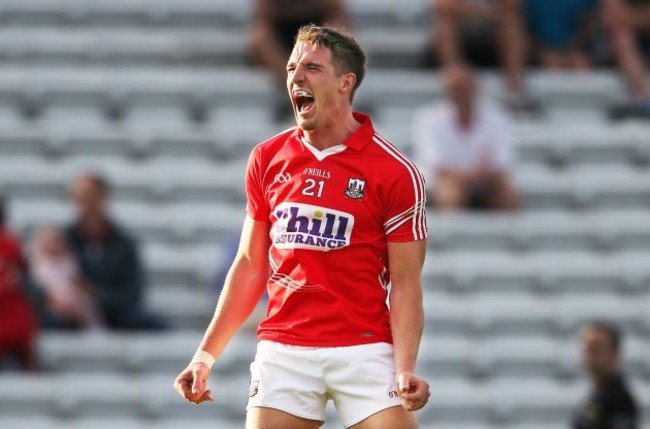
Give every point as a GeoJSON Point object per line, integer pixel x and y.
{"type": "Point", "coordinates": [331, 206]}
{"type": "Point", "coordinates": [610, 405]}
{"type": "Point", "coordinates": [108, 258]}
{"type": "Point", "coordinates": [465, 144]}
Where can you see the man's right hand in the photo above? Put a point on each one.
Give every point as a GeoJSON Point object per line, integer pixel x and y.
{"type": "Point", "coordinates": [192, 381]}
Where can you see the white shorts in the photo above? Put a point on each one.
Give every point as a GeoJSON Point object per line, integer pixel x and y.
{"type": "Point", "coordinates": [298, 380]}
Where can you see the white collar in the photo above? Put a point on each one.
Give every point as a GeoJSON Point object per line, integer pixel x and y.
{"type": "Point", "coordinates": [322, 154]}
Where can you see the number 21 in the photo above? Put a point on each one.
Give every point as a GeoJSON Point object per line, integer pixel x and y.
{"type": "Point", "coordinates": [311, 184]}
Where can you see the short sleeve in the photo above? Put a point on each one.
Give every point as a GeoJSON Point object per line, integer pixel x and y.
{"type": "Point", "coordinates": [256, 206]}
{"type": "Point", "coordinates": [405, 203]}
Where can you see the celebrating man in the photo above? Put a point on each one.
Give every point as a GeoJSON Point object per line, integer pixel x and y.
{"type": "Point", "coordinates": [335, 214]}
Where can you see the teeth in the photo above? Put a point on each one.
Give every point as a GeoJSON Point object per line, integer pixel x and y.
{"type": "Point", "coordinates": [302, 94]}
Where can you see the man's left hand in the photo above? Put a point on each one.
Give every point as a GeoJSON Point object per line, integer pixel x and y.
{"type": "Point", "coordinates": [413, 390]}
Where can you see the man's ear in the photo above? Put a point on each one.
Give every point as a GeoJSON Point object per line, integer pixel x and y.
{"type": "Point", "coordinates": [347, 82]}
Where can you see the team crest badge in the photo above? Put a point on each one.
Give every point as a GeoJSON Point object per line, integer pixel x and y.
{"type": "Point", "coordinates": [356, 188]}
{"type": "Point", "coordinates": [253, 388]}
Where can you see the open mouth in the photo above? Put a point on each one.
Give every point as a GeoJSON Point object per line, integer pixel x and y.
{"type": "Point", "coordinates": [303, 101]}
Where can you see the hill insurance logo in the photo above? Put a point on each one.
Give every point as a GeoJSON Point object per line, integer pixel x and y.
{"type": "Point", "coordinates": [305, 226]}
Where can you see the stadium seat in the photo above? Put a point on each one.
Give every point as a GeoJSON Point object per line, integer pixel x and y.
{"type": "Point", "coordinates": [523, 356]}
{"type": "Point", "coordinates": [573, 309]}
{"type": "Point", "coordinates": [456, 401]}
{"type": "Point", "coordinates": [538, 399]}
{"type": "Point", "coordinates": [446, 355]}
{"type": "Point", "coordinates": [513, 313]}
{"type": "Point", "coordinates": [445, 313]}
{"type": "Point", "coordinates": [190, 263]}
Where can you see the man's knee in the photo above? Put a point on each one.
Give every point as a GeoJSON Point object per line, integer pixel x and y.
{"type": "Point", "coordinates": [504, 195]}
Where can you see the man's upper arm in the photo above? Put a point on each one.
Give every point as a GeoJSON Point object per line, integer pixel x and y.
{"type": "Point", "coordinates": [254, 243]}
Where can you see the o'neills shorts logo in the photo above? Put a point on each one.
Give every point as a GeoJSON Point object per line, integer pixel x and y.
{"type": "Point", "coordinates": [304, 226]}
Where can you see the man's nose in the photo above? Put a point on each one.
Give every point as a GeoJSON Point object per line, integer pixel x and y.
{"type": "Point", "coordinates": [298, 75]}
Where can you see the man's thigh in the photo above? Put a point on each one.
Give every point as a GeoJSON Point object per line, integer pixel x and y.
{"type": "Point", "coordinates": [390, 418]}
{"type": "Point", "coordinates": [269, 418]}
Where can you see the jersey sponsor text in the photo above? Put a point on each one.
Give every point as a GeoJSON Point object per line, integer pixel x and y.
{"type": "Point", "coordinates": [305, 226]}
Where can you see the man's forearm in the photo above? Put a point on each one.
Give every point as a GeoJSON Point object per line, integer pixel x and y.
{"type": "Point", "coordinates": [243, 288]}
{"type": "Point", "coordinates": [407, 323]}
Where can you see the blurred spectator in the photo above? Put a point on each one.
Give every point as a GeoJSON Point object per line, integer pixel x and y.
{"type": "Point", "coordinates": [610, 404]}
{"type": "Point", "coordinates": [465, 145]}
{"type": "Point", "coordinates": [624, 21]}
{"type": "Point", "coordinates": [68, 297]}
{"type": "Point", "coordinates": [108, 258]}
{"type": "Point", "coordinates": [460, 33]}
{"type": "Point", "coordinates": [274, 25]}
{"type": "Point", "coordinates": [560, 31]}
{"type": "Point", "coordinates": [18, 323]}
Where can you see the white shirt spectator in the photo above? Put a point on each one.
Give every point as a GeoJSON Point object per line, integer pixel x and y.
{"type": "Point", "coordinates": [440, 142]}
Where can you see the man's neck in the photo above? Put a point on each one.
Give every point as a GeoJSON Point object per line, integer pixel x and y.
{"type": "Point", "coordinates": [333, 132]}
{"type": "Point", "coordinates": [95, 227]}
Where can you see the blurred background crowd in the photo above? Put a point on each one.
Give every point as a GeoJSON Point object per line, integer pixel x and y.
{"type": "Point", "coordinates": [124, 131]}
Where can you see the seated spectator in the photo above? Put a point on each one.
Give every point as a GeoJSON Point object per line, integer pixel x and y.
{"type": "Point", "coordinates": [563, 29]}
{"type": "Point", "coordinates": [465, 145]}
{"type": "Point", "coordinates": [108, 258]}
{"type": "Point", "coordinates": [460, 35]}
{"type": "Point", "coordinates": [624, 21]}
{"type": "Point", "coordinates": [18, 322]}
{"type": "Point", "coordinates": [560, 30]}
{"type": "Point", "coordinates": [274, 26]}
{"type": "Point", "coordinates": [68, 297]}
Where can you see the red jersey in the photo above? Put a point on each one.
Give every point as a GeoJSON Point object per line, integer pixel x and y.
{"type": "Point", "coordinates": [12, 261]}
{"type": "Point", "coordinates": [332, 213]}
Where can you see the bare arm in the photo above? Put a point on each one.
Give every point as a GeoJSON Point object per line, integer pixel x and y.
{"type": "Point", "coordinates": [245, 283]}
{"type": "Point", "coordinates": [407, 318]}
{"type": "Point", "coordinates": [244, 286]}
